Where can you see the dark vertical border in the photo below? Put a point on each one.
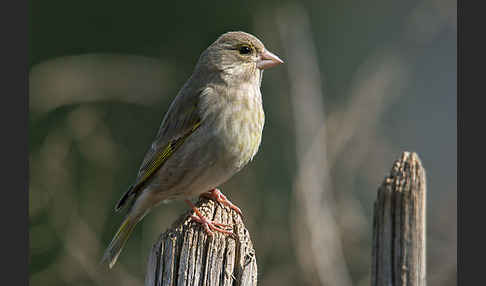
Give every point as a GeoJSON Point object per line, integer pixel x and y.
{"type": "Point", "coordinates": [14, 138]}
{"type": "Point", "coordinates": [471, 149]}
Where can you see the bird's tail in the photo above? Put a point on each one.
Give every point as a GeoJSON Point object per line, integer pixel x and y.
{"type": "Point", "coordinates": [116, 245]}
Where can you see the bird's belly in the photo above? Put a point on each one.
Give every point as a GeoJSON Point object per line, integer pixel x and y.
{"type": "Point", "coordinates": [209, 177]}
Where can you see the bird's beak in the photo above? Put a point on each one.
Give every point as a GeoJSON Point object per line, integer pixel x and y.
{"type": "Point", "coordinates": [268, 60]}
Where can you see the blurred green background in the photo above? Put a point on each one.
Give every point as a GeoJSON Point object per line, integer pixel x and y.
{"type": "Point", "coordinates": [363, 81]}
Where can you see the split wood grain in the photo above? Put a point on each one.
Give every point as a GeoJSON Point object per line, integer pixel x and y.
{"type": "Point", "coordinates": [398, 256]}
{"type": "Point", "coordinates": [186, 255]}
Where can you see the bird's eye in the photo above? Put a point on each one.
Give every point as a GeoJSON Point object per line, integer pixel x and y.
{"type": "Point", "coordinates": [244, 50]}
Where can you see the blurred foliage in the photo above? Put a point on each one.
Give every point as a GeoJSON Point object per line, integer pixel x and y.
{"type": "Point", "coordinates": [102, 74]}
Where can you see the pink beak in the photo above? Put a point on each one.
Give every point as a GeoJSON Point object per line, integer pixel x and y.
{"type": "Point", "coordinates": [268, 60]}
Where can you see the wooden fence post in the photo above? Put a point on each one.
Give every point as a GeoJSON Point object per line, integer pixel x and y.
{"type": "Point", "coordinates": [186, 255]}
{"type": "Point", "coordinates": [398, 256]}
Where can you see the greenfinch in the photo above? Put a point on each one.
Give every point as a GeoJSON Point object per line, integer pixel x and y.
{"type": "Point", "coordinates": [212, 129]}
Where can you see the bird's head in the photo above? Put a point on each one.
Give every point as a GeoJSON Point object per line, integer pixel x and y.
{"type": "Point", "coordinates": [238, 55]}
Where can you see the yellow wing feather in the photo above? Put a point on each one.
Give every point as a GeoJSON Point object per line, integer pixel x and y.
{"type": "Point", "coordinates": [158, 160]}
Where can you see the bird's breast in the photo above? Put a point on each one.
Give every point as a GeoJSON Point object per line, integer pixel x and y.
{"type": "Point", "coordinates": [239, 126]}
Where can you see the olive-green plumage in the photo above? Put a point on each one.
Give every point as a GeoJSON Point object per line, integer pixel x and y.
{"type": "Point", "coordinates": [212, 129]}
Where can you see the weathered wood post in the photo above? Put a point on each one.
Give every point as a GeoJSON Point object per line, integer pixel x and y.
{"type": "Point", "coordinates": [399, 226]}
{"type": "Point", "coordinates": [186, 255]}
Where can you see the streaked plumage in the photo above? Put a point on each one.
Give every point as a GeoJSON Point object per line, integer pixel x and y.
{"type": "Point", "coordinates": [212, 129]}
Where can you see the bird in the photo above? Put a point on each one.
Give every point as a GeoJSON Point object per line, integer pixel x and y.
{"type": "Point", "coordinates": [211, 130]}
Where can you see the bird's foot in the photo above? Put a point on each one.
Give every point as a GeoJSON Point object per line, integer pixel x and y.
{"type": "Point", "coordinates": [218, 196]}
{"type": "Point", "coordinates": [209, 226]}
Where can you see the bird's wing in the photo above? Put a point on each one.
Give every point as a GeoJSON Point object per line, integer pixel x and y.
{"type": "Point", "coordinates": [180, 121]}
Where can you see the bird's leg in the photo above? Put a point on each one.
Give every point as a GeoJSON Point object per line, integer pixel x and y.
{"type": "Point", "coordinates": [218, 196]}
{"type": "Point", "coordinates": [209, 225]}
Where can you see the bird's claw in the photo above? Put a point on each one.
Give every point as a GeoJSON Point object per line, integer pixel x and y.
{"type": "Point", "coordinates": [210, 226]}
{"type": "Point", "coordinates": [218, 196]}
